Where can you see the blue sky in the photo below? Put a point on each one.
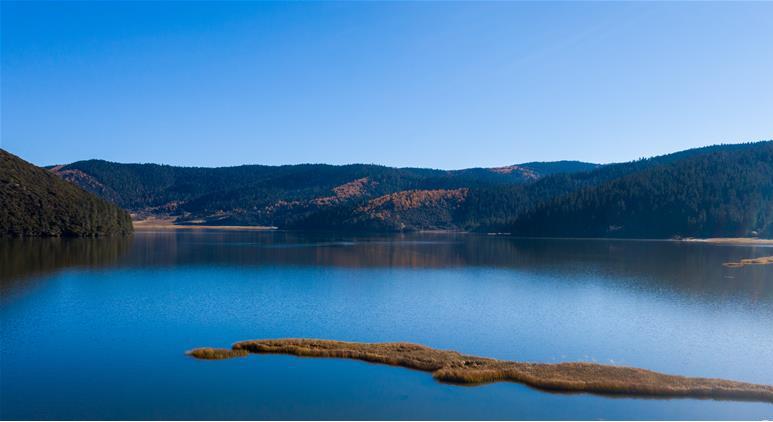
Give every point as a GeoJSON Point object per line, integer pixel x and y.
{"type": "Point", "coordinates": [444, 85]}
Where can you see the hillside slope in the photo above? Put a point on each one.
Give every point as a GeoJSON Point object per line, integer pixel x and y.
{"type": "Point", "coordinates": [722, 192]}
{"type": "Point", "coordinates": [308, 196]}
{"type": "Point", "coordinates": [37, 203]}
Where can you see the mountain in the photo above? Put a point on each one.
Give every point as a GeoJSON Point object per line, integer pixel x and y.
{"type": "Point", "coordinates": [37, 203]}
{"type": "Point", "coordinates": [306, 196]}
{"type": "Point", "coordinates": [721, 192]}
{"type": "Point", "coordinates": [514, 208]}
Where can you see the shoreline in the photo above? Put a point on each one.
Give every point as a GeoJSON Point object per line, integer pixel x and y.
{"type": "Point", "coordinates": [707, 240]}
{"type": "Point", "coordinates": [452, 367]}
{"type": "Point", "coordinates": [159, 223]}
{"type": "Point", "coordinates": [728, 240]}
{"type": "Point", "coordinates": [153, 223]}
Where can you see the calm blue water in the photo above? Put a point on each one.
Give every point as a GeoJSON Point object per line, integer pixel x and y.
{"type": "Point", "coordinates": [97, 329]}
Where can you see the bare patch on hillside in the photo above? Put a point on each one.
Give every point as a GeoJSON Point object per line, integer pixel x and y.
{"type": "Point", "coordinates": [354, 189]}
{"type": "Point", "coordinates": [527, 173]}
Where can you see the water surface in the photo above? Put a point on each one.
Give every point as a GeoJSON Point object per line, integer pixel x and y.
{"type": "Point", "coordinates": [97, 329]}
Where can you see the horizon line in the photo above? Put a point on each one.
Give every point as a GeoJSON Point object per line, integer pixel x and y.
{"type": "Point", "coordinates": [405, 167]}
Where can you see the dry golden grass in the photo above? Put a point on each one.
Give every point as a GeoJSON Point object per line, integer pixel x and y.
{"type": "Point", "coordinates": [453, 367]}
{"type": "Point", "coordinates": [763, 260]}
{"type": "Point", "coordinates": [209, 353]}
{"type": "Point", "coordinates": [731, 240]}
{"type": "Point", "coordinates": [157, 223]}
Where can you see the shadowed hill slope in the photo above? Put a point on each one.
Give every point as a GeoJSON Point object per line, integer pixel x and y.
{"type": "Point", "coordinates": [726, 192]}
{"type": "Point", "coordinates": [37, 203]}
{"type": "Point", "coordinates": [553, 206]}
{"type": "Point", "coordinates": [306, 196]}
{"type": "Point", "coordinates": [721, 190]}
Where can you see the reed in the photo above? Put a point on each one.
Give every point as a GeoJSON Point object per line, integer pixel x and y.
{"type": "Point", "coordinates": [763, 260]}
{"type": "Point", "coordinates": [453, 367]}
{"type": "Point", "coordinates": [210, 353]}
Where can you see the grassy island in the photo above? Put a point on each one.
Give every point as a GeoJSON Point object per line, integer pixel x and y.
{"type": "Point", "coordinates": [453, 367]}
{"type": "Point", "coordinates": [763, 260]}
{"type": "Point", "coordinates": [210, 353]}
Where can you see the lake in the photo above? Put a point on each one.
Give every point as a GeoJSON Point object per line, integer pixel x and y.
{"type": "Point", "coordinates": [98, 329]}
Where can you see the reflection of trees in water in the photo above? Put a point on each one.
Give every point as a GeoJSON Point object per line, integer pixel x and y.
{"type": "Point", "coordinates": [21, 259]}
{"type": "Point", "coordinates": [688, 269]}
{"type": "Point", "coordinates": [685, 268]}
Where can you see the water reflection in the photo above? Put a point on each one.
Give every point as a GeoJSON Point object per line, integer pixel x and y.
{"type": "Point", "coordinates": [690, 269]}
{"type": "Point", "coordinates": [107, 340]}
{"type": "Point", "coordinates": [22, 260]}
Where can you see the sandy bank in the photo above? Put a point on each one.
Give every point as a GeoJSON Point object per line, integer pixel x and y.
{"type": "Point", "coordinates": [154, 223]}
{"type": "Point", "coordinates": [731, 241]}
{"type": "Point", "coordinates": [763, 260]}
{"type": "Point", "coordinates": [453, 367]}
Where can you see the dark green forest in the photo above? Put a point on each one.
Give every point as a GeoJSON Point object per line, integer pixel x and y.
{"type": "Point", "coordinates": [517, 209]}
{"type": "Point", "coordinates": [35, 202]}
{"type": "Point", "coordinates": [307, 196]}
{"type": "Point", "coordinates": [721, 190]}
{"type": "Point", "coordinates": [726, 192]}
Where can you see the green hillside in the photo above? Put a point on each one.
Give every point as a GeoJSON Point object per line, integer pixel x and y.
{"type": "Point", "coordinates": [37, 203]}
{"type": "Point", "coordinates": [306, 196]}
{"type": "Point", "coordinates": [723, 192]}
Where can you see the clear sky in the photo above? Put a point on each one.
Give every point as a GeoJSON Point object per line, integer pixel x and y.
{"type": "Point", "coordinates": [444, 85]}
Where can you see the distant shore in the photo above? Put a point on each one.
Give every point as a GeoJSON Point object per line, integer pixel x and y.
{"type": "Point", "coordinates": [168, 223]}
{"type": "Point", "coordinates": [156, 223]}
{"type": "Point", "coordinates": [452, 367]}
{"type": "Point", "coordinates": [730, 240]}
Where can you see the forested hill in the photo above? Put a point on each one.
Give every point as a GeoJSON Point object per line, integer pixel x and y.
{"type": "Point", "coordinates": [722, 190]}
{"type": "Point", "coordinates": [718, 192]}
{"type": "Point", "coordinates": [308, 196]}
{"type": "Point", "coordinates": [37, 203]}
